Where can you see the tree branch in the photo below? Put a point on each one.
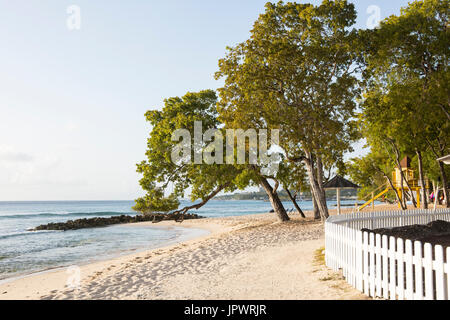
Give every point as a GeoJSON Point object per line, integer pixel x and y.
{"type": "Point", "coordinates": [277, 183]}
{"type": "Point", "coordinates": [297, 159]}
{"type": "Point", "coordinates": [201, 204]}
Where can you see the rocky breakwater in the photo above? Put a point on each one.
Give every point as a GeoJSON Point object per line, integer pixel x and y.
{"type": "Point", "coordinates": [103, 222]}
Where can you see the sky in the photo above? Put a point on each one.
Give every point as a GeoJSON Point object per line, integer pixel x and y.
{"type": "Point", "coordinates": [73, 92]}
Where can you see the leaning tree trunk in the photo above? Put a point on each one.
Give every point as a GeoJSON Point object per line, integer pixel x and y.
{"type": "Point", "coordinates": [277, 205]}
{"type": "Point", "coordinates": [435, 192]}
{"type": "Point", "coordinates": [316, 208]}
{"type": "Point", "coordinates": [423, 193]}
{"type": "Point", "coordinates": [315, 188]}
{"type": "Point", "coordinates": [295, 203]}
{"type": "Point", "coordinates": [395, 191]}
{"type": "Point", "coordinates": [444, 184]}
{"type": "Point", "coordinates": [320, 179]}
{"type": "Point", "coordinates": [402, 177]}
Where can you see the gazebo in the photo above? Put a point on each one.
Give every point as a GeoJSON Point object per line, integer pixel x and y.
{"type": "Point", "coordinates": [339, 183]}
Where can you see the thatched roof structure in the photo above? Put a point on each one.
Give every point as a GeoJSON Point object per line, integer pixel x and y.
{"type": "Point", "coordinates": [340, 183]}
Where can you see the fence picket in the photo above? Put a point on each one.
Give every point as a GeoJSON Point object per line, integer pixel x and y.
{"type": "Point", "coordinates": [378, 279]}
{"type": "Point", "coordinates": [393, 269]}
{"type": "Point", "coordinates": [366, 263]}
{"type": "Point", "coordinates": [385, 252]}
{"type": "Point", "coordinates": [359, 261]}
{"type": "Point", "coordinates": [388, 267]}
{"type": "Point", "coordinates": [418, 258]}
{"type": "Point", "coordinates": [439, 267]}
{"type": "Point", "coordinates": [400, 270]}
{"type": "Point", "coordinates": [447, 271]}
{"type": "Point", "coordinates": [409, 270]}
{"type": "Point", "coordinates": [372, 264]}
{"type": "Point", "coordinates": [428, 266]}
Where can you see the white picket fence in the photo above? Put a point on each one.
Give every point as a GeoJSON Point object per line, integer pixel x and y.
{"type": "Point", "coordinates": [385, 267]}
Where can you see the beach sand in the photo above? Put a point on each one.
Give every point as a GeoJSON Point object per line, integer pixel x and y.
{"type": "Point", "coordinates": [247, 257]}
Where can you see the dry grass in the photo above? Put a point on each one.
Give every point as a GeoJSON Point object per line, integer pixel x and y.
{"type": "Point", "coordinates": [319, 257]}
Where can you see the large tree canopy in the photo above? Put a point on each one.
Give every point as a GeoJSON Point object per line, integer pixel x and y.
{"type": "Point", "coordinates": [166, 180]}
{"type": "Point", "coordinates": [160, 173]}
{"type": "Point", "coordinates": [305, 70]}
{"type": "Point", "coordinates": [298, 73]}
{"type": "Point", "coordinates": [406, 100]}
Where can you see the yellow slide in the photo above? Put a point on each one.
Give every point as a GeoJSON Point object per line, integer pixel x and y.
{"type": "Point", "coordinates": [373, 199]}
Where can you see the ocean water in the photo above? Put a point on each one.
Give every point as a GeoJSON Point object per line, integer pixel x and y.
{"type": "Point", "coordinates": [22, 251]}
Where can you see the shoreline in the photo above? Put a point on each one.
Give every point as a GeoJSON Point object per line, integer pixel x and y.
{"type": "Point", "coordinates": [230, 242]}
{"type": "Point", "coordinates": [112, 255]}
{"type": "Point", "coordinates": [58, 274]}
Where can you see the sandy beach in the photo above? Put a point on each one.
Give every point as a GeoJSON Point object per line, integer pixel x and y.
{"type": "Point", "coordinates": [246, 257]}
{"type": "Point", "coordinates": [250, 257]}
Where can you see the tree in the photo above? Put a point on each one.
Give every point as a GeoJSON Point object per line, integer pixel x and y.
{"type": "Point", "coordinates": [373, 172]}
{"type": "Point", "coordinates": [293, 177]}
{"type": "Point", "coordinates": [296, 73]}
{"type": "Point", "coordinates": [166, 180]}
{"type": "Point", "coordinates": [407, 69]}
{"type": "Point", "coordinates": [388, 123]}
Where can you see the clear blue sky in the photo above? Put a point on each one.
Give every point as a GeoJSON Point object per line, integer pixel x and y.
{"type": "Point", "coordinates": [72, 102]}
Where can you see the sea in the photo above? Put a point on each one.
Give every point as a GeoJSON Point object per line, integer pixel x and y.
{"type": "Point", "coordinates": [23, 252]}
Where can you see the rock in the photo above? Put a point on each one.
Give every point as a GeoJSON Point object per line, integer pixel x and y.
{"type": "Point", "coordinates": [103, 222]}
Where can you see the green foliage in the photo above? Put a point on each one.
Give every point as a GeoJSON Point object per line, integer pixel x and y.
{"type": "Point", "coordinates": [160, 173]}
{"type": "Point", "coordinates": [405, 105]}
{"type": "Point", "coordinates": [293, 176]}
{"type": "Point", "coordinates": [300, 72]}
{"type": "Point", "coordinates": [296, 73]}
{"type": "Point", "coordinates": [369, 172]}
{"type": "Point", "coordinates": [155, 201]}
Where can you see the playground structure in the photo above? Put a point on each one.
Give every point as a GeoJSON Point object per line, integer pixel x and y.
{"type": "Point", "coordinates": [409, 179]}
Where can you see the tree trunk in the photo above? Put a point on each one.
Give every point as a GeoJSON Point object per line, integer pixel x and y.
{"type": "Point", "coordinates": [320, 179]}
{"type": "Point", "coordinates": [316, 208]}
{"type": "Point", "coordinates": [423, 193]}
{"type": "Point", "coordinates": [436, 192]}
{"type": "Point", "coordinates": [317, 215]}
{"type": "Point", "coordinates": [277, 205]}
{"type": "Point", "coordinates": [441, 152]}
{"type": "Point", "coordinates": [444, 184]}
{"type": "Point", "coordinates": [402, 177]}
{"type": "Point", "coordinates": [295, 203]}
{"type": "Point", "coordinates": [395, 191]}
{"type": "Point", "coordinates": [315, 188]}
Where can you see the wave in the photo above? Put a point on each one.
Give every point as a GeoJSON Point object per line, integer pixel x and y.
{"type": "Point", "coordinates": [65, 214]}
{"type": "Point", "coordinates": [23, 233]}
